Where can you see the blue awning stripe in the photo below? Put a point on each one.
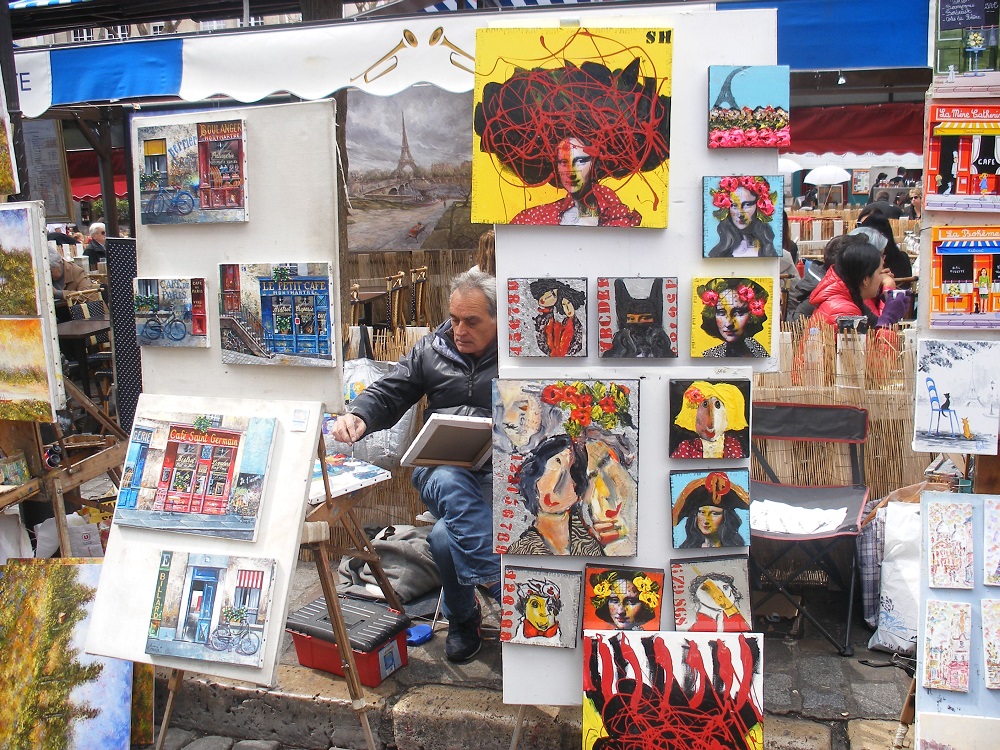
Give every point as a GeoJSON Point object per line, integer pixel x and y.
{"type": "Point", "coordinates": [25, 4]}
{"type": "Point", "coordinates": [449, 5]}
{"type": "Point", "coordinates": [116, 71]}
{"type": "Point", "coordinates": [956, 247]}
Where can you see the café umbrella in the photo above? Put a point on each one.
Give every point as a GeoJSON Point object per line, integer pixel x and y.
{"type": "Point", "coordinates": [828, 175]}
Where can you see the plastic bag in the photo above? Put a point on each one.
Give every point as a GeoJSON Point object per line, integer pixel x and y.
{"type": "Point", "coordinates": [900, 590]}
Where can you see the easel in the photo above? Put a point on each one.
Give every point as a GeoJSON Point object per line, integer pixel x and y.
{"type": "Point", "coordinates": [317, 532]}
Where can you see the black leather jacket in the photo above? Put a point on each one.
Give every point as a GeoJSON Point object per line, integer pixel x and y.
{"type": "Point", "coordinates": [452, 381]}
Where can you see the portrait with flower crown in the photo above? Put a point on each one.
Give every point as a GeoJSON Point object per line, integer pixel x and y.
{"type": "Point", "coordinates": [622, 598]}
{"type": "Point", "coordinates": [735, 311]}
{"type": "Point", "coordinates": [742, 216]}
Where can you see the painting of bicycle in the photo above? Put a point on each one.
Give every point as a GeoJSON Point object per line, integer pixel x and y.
{"type": "Point", "coordinates": [211, 607]}
{"type": "Point", "coordinates": [170, 312]}
{"type": "Point", "coordinates": [190, 172]}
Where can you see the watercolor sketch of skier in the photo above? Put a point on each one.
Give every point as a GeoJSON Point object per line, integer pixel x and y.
{"type": "Point", "coordinates": [948, 631]}
{"type": "Point", "coordinates": [949, 545]}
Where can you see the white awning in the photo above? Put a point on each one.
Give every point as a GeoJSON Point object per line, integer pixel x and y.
{"type": "Point", "coordinates": [859, 161]}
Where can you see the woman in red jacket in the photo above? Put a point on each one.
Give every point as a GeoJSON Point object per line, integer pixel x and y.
{"type": "Point", "coordinates": [853, 285]}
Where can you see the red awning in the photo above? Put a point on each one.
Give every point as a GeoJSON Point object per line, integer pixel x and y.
{"type": "Point", "coordinates": [250, 579]}
{"type": "Point", "coordinates": [84, 175]}
{"type": "Point", "coordinates": [860, 128]}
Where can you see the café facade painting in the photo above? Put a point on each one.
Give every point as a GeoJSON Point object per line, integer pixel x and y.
{"type": "Point", "coordinates": [572, 126]}
{"type": "Point", "coordinates": [192, 173]}
{"type": "Point", "coordinates": [961, 157]}
{"type": "Point", "coordinates": [748, 106]}
{"type": "Point", "coordinates": [171, 312]}
{"type": "Point", "coordinates": [965, 277]}
{"type": "Point", "coordinates": [410, 178]}
{"type": "Point", "coordinates": [276, 314]}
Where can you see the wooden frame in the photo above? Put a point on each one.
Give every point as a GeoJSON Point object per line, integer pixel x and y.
{"type": "Point", "coordinates": [861, 181]}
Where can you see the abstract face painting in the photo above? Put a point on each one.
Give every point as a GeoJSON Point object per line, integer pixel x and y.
{"type": "Point", "coordinates": [742, 216]}
{"type": "Point", "coordinates": [709, 418]}
{"type": "Point", "coordinates": [711, 594]}
{"type": "Point", "coordinates": [622, 598]}
{"type": "Point", "coordinates": [729, 317]}
{"type": "Point", "coordinates": [540, 607]}
{"type": "Point", "coordinates": [572, 127]}
{"type": "Point", "coordinates": [548, 317]}
{"type": "Point", "coordinates": [637, 317]}
{"type": "Point", "coordinates": [749, 106]}
{"type": "Point", "coordinates": [710, 508]}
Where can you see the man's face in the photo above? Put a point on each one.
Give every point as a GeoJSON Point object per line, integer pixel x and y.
{"type": "Point", "coordinates": [472, 327]}
{"type": "Point", "coordinates": [537, 612]}
{"type": "Point", "coordinates": [100, 235]}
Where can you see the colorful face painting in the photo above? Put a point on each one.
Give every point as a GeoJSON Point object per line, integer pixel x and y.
{"type": "Point", "coordinates": [673, 690]}
{"type": "Point", "coordinates": [709, 418]}
{"type": "Point", "coordinates": [965, 277]}
{"type": "Point", "coordinates": [991, 541]}
{"type": "Point", "coordinates": [742, 216]}
{"type": "Point", "coordinates": [622, 598]}
{"type": "Point", "coordinates": [949, 545]}
{"type": "Point", "coordinates": [565, 467]}
{"type": "Point", "coordinates": [946, 731]}
{"type": "Point", "coordinates": [430, 132]}
{"type": "Point", "coordinates": [947, 634]}
{"type": "Point", "coordinates": [214, 608]}
{"type": "Point", "coordinates": [192, 173]}
{"type": "Point", "coordinates": [729, 317]}
{"type": "Point", "coordinates": [957, 397]}
{"type": "Point", "coordinates": [637, 317]}
{"type": "Point", "coordinates": [540, 607]}
{"type": "Point", "coordinates": [711, 594]}
{"type": "Point", "coordinates": [196, 473]}
{"type": "Point", "coordinates": [572, 127]}
{"type": "Point", "coordinates": [171, 312]}
{"type": "Point", "coordinates": [710, 508]}
{"type": "Point", "coordinates": [548, 317]}
{"type": "Point", "coordinates": [276, 314]}
{"type": "Point", "coordinates": [990, 610]}
{"type": "Point", "coordinates": [45, 613]}
{"type": "Point", "coordinates": [749, 106]}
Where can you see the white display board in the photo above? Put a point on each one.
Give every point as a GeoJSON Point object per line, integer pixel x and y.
{"type": "Point", "coordinates": [701, 38]}
{"type": "Point", "coordinates": [124, 599]}
{"type": "Point", "coordinates": [291, 190]}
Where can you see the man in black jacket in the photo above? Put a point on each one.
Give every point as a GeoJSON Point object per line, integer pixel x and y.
{"type": "Point", "coordinates": [454, 367]}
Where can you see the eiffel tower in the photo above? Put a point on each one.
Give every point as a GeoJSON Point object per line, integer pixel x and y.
{"type": "Point", "coordinates": [405, 157]}
{"type": "Point", "coordinates": [726, 92]}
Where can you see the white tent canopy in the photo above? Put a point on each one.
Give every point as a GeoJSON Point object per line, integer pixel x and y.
{"type": "Point", "coordinates": [858, 161]}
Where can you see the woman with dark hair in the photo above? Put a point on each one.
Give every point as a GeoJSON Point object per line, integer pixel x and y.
{"type": "Point", "coordinates": [625, 599]}
{"type": "Point", "coordinates": [710, 508]}
{"type": "Point", "coordinates": [852, 287]}
{"type": "Point", "coordinates": [744, 208]}
{"type": "Point", "coordinates": [734, 311]}
{"type": "Point", "coordinates": [896, 261]}
{"type": "Point", "coordinates": [558, 330]}
{"type": "Point", "coordinates": [553, 481]}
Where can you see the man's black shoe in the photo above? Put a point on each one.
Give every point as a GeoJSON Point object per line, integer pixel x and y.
{"type": "Point", "coordinates": [464, 638]}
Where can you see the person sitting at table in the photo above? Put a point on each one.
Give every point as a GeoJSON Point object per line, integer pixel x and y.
{"type": "Point", "coordinates": [67, 277]}
{"type": "Point", "coordinates": [798, 303]}
{"type": "Point", "coordinates": [96, 249]}
{"type": "Point", "coordinates": [896, 261]}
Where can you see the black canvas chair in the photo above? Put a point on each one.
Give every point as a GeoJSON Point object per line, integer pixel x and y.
{"type": "Point", "coordinates": [808, 457]}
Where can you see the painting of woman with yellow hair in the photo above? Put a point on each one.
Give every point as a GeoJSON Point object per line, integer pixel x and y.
{"type": "Point", "coordinates": [710, 419]}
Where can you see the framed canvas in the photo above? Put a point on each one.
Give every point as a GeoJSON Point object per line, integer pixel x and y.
{"type": "Point", "coordinates": [548, 317]}
{"type": "Point", "coordinates": [748, 106]}
{"type": "Point", "coordinates": [991, 541]}
{"type": "Point", "coordinates": [617, 598]}
{"type": "Point", "coordinates": [171, 312]}
{"type": "Point", "coordinates": [960, 172]}
{"type": "Point", "coordinates": [453, 440]}
{"type": "Point", "coordinates": [637, 317]}
{"type": "Point", "coordinates": [944, 731]}
{"type": "Point", "coordinates": [948, 632]}
{"type": "Point", "coordinates": [711, 594]}
{"type": "Point", "coordinates": [861, 181]}
{"type": "Point", "coordinates": [950, 545]}
{"type": "Point", "coordinates": [572, 126]}
{"type": "Point", "coordinates": [710, 418]}
{"type": "Point", "coordinates": [540, 607]}
{"type": "Point", "coordinates": [711, 508]}
{"type": "Point", "coordinates": [730, 316]}
{"type": "Point", "coordinates": [565, 467]}
{"type": "Point", "coordinates": [742, 216]}
{"type": "Point", "coordinates": [965, 277]}
{"type": "Point", "coordinates": [990, 612]}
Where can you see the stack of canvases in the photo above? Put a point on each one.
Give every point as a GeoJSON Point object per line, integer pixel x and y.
{"type": "Point", "coordinates": [565, 457]}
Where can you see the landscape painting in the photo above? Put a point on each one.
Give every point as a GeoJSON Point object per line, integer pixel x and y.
{"type": "Point", "coordinates": [18, 272]}
{"type": "Point", "coordinates": [637, 317]}
{"type": "Point", "coordinates": [730, 316]}
{"type": "Point", "coordinates": [669, 689]}
{"type": "Point", "coordinates": [749, 106]}
{"type": "Point", "coordinates": [548, 317]}
{"type": "Point", "coordinates": [24, 375]}
{"type": "Point", "coordinates": [540, 607]}
{"type": "Point", "coordinates": [711, 594]}
{"type": "Point", "coordinates": [171, 312]}
{"type": "Point", "coordinates": [565, 467]}
{"type": "Point", "coordinates": [617, 598]}
{"type": "Point", "coordinates": [211, 607]}
{"type": "Point", "coordinates": [711, 508]}
{"type": "Point", "coordinates": [196, 473]}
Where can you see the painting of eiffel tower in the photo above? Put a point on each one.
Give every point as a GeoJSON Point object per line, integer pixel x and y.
{"type": "Point", "coordinates": [748, 106]}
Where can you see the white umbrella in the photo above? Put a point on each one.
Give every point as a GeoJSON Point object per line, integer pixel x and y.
{"type": "Point", "coordinates": [788, 166]}
{"type": "Point", "coordinates": [828, 175]}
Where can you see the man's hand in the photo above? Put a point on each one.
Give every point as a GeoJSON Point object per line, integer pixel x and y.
{"type": "Point", "coordinates": [349, 428]}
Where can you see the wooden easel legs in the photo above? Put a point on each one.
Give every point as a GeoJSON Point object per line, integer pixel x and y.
{"type": "Point", "coordinates": [173, 687]}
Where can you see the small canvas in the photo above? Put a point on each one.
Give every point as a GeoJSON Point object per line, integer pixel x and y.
{"type": "Point", "coordinates": [949, 545]}
{"type": "Point", "coordinates": [947, 635]}
{"type": "Point", "coordinates": [18, 265]}
{"type": "Point", "coordinates": [711, 508]}
{"type": "Point", "coordinates": [947, 731]}
{"type": "Point", "coordinates": [990, 611]}
{"type": "Point", "coordinates": [957, 397]}
{"type": "Point", "coordinates": [711, 594]}
{"type": "Point", "coordinates": [540, 607]}
{"type": "Point", "coordinates": [964, 289]}
{"type": "Point", "coordinates": [742, 216]}
{"type": "Point", "coordinates": [710, 418]}
{"type": "Point", "coordinates": [548, 317]}
{"type": "Point", "coordinates": [749, 106]}
{"type": "Point", "coordinates": [637, 317]}
{"type": "Point", "coordinates": [617, 598]}
{"type": "Point", "coordinates": [211, 607]}
{"type": "Point", "coordinates": [9, 182]}
{"type": "Point", "coordinates": [346, 474]}
{"type": "Point", "coordinates": [277, 314]}
{"type": "Point", "coordinates": [682, 690]}
{"type": "Point", "coordinates": [565, 467]}
{"type": "Point", "coordinates": [730, 316]}
{"type": "Point", "coordinates": [171, 312]}
{"type": "Point", "coordinates": [451, 439]}
{"type": "Point", "coordinates": [991, 541]}
{"type": "Point", "coordinates": [196, 473]}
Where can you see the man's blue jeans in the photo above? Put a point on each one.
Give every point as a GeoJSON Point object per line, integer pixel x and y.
{"type": "Point", "coordinates": [461, 541]}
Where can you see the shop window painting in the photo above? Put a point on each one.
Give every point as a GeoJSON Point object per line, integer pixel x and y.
{"type": "Point", "coordinates": [949, 545]}
{"type": "Point", "coordinates": [618, 598]}
{"type": "Point", "coordinates": [547, 317]}
{"type": "Point", "coordinates": [730, 317]}
{"type": "Point", "coordinates": [196, 473]}
{"type": "Point", "coordinates": [572, 127]}
{"type": "Point", "coordinates": [192, 173]}
{"type": "Point", "coordinates": [276, 314]}
{"type": "Point", "coordinates": [962, 158]}
{"type": "Point", "coordinates": [749, 106]}
{"type": "Point", "coordinates": [947, 636]}
{"type": "Point", "coordinates": [742, 217]}
{"type": "Point", "coordinates": [637, 317]}
{"type": "Point", "coordinates": [965, 277]}
{"type": "Point", "coordinates": [171, 312]}
{"type": "Point", "coordinates": [540, 607]}
{"type": "Point", "coordinates": [670, 689]}
{"type": "Point", "coordinates": [711, 594]}
{"type": "Point", "coordinates": [710, 418]}
{"type": "Point", "coordinates": [710, 508]}
{"type": "Point", "coordinates": [211, 607]}
{"type": "Point", "coordinates": [565, 467]}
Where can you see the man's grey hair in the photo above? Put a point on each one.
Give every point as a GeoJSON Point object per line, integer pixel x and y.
{"type": "Point", "coordinates": [874, 237]}
{"type": "Point", "coordinates": [481, 282]}
{"type": "Point", "coordinates": [97, 226]}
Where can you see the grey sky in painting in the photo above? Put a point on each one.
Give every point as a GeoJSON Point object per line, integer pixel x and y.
{"type": "Point", "coordinates": [438, 127]}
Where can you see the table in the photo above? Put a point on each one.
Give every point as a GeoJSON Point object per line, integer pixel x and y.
{"type": "Point", "coordinates": [74, 335]}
